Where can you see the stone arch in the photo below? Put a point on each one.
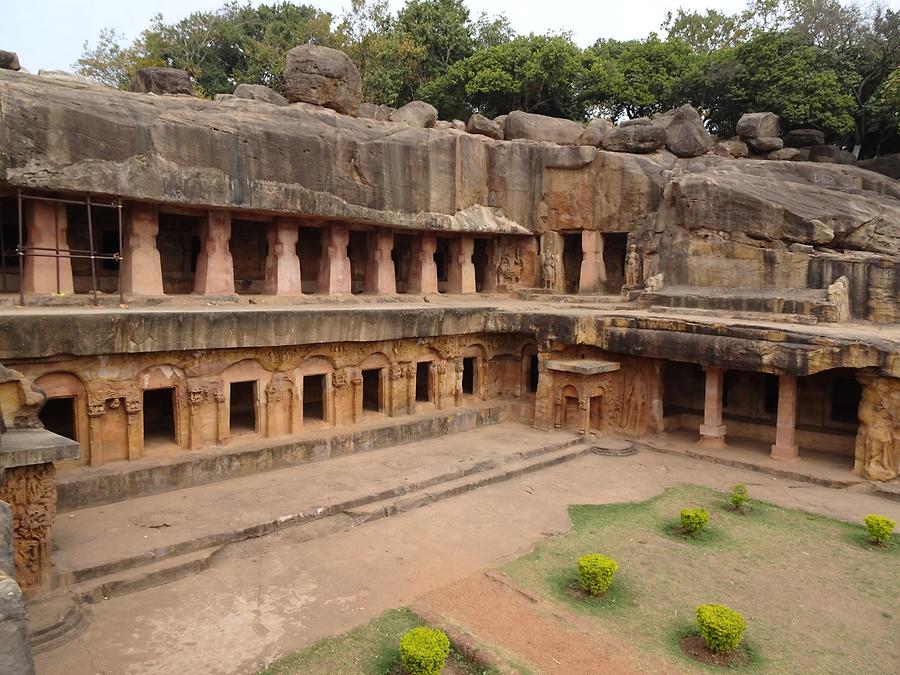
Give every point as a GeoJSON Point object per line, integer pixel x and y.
{"type": "Point", "coordinates": [567, 412]}
{"type": "Point", "coordinates": [66, 385]}
{"type": "Point", "coordinates": [477, 386]}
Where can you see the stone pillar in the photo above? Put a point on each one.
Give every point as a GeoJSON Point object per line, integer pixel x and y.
{"type": "Point", "coordinates": [458, 384]}
{"type": "Point", "coordinates": [356, 382]}
{"type": "Point", "coordinates": [593, 273]}
{"type": "Point", "coordinates": [223, 428]}
{"type": "Point", "coordinates": [492, 281]}
{"type": "Point", "coordinates": [342, 398]}
{"type": "Point", "coordinates": [411, 387]}
{"type": "Point", "coordinates": [135, 429]}
{"type": "Point", "coordinates": [282, 263]}
{"type": "Point", "coordinates": [334, 269]}
{"type": "Point", "coordinates": [584, 409]}
{"type": "Point", "coordinates": [786, 429]}
{"type": "Point", "coordinates": [47, 225]}
{"type": "Point", "coordinates": [30, 491]}
{"type": "Point", "coordinates": [461, 269]}
{"type": "Point", "coordinates": [423, 269]}
{"type": "Point", "coordinates": [712, 431]}
{"type": "Point", "coordinates": [141, 266]}
{"type": "Point", "coordinates": [95, 416]}
{"type": "Point", "coordinates": [380, 276]}
{"type": "Point", "coordinates": [196, 397]}
{"type": "Point", "coordinates": [215, 268]}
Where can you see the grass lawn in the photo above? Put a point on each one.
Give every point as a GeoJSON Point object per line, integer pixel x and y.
{"type": "Point", "coordinates": [816, 598]}
{"type": "Point", "coordinates": [368, 650]}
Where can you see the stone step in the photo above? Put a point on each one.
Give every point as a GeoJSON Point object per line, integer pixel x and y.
{"type": "Point", "coordinates": [470, 475]}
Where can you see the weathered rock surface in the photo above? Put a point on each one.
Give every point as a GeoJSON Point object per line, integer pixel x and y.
{"type": "Point", "coordinates": [259, 92]}
{"type": "Point", "coordinates": [161, 81]}
{"type": "Point", "coordinates": [373, 111]}
{"type": "Point", "coordinates": [638, 138]}
{"type": "Point", "coordinates": [15, 655]}
{"type": "Point", "coordinates": [9, 60]}
{"type": "Point", "coordinates": [636, 122]}
{"type": "Point", "coordinates": [685, 134]}
{"type": "Point", "coordinates": [224, 97]}
{"type": "Point", "coordinates": [594, 132]}
{"type": "Point", "coordinates": [803, 138]}
{"type": "Point", "coordinates": [785, 154]}
{"type": "Point", "coordinates": [531, 127]}
{"type": "Point", "coordinates": [759, 125]}
{"type": "Point", "coordinates": [7, 562]}
{"type": "Point", "coordinates": [831, 154]}
{"type": "Point", "coordinates": [765, 143]}
{"type": "Point", "coordinates": [322, 76]}
{"type": "Point", "coordinates": [888, 165]}
{"type": "Point", "coordinates": [66, 76]}
{"type": "Point", "coordinates": [479, 124]}
{"type": "Point", "coordinates": [731, 148]}
{"type": "Point", "coordinates": [415, 114]}
{"type": "Point", "coordinates": [459, 125]}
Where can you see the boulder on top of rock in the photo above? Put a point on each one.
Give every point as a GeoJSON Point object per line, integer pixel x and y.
{"type": "Point", "coordinates": [731, 148]}
{"type": "Point", "coordinates": [636, 122]}
{"type": "Point", "coordinates": [641, 138]}
{"type": "Point", "coordinates": [831, 154]}
{"type": "Point", "coordinates": [9, 60]}
{"type": "Point", "coordinates": [803, 138]}
{"type": "Point", "coordinates": [224, 97]}
{"type": "Point", "coordinates": [888, 165]}
{"type": "Point", "coordinates": [531, 127]}
{"type": "Point", "coordinates": [322, 76]}
{"type": "Point", "coordinates": [373, 111]}
{"type": "Point", "coordinates": [759, 125]}
{"type": "Point", "coordinates": [594, 132]}
{"type": "Point", "coordinates": [685, 134]}
{"type": "Point", "coordinates": [415, 114]}
{"type": "Point", "coordinates": [259, 92]}
{"type": "Point", "coordinates": [459, 125]}
{"type": "Point", "coordinates": [765, 143]}
{"type": "Point", "coordinates": [785, 154]}
{"type": "Point", "coordinates": [161, 81]}
{"type": "Point", "coordinates": [479, 124]}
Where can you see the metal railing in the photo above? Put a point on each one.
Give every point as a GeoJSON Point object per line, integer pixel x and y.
{"type": "Point", "coordinates": [59, 253]}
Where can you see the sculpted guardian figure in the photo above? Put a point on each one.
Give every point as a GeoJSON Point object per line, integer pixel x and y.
{"type": "Point", "coordinates": [548, 267]}
{"type": "Point", "coordinates": [632, 267]}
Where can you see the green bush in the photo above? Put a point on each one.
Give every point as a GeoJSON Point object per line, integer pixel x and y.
{"type": "Point", "coordinates": [880, 528]}
{"type": "Point", "coordinates": [596, 572]}
{"type": "Point", "coordinates": [739, 496]}
{"type": "Point", "coordinates": [720, 627]}
{"type": "Point", "coordinates": [693, 521]}
{"type": "Point", "coordinates": [423, 651]}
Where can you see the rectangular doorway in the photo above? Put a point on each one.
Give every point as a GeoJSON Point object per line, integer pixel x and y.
{"type": "Point", "coordinates": [242, 407]}
{"type": "Point", "coordinates": [615, 246]}
{"type": "Point", "coordinates": [533, 374]}
{"type": "Point", "coordinates": [371, 390]}
{"type": "Point", "coordinates": [468, 375]}
{"type": "Point", "coordinates": [572, 255]}
{"type": "Point", "coordinates": [58, 416]}
{"type": "Point", "coordinates": [596, 413]}
{"type": "Point", "coordinates": [159, 415]}
{"type": "Point", "coordinates": [423, 384]}
{"type": "Point", "coordinates": [313, 398]}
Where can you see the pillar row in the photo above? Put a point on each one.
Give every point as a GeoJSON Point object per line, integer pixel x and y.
{"type": "Point", "coordinates": [380, 277]}
{"type": "Point", "coordinates": [423, 269]}
{"type": "Point", "coordinates": [461, 270]}
{"type": "Point", "coordinates": [593, 273]}
{"type": "Point", "coordinates": [334, 269]}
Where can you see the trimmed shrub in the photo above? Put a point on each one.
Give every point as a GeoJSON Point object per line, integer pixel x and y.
{"type": "Point", "coordinates": [693, 521]}
{"type": "Point", "coordinates": [880, 528]}
{"type": "Point", "coordinates": [739, 496]}
{"type": "Point", "coordinates": [423, 650]}
{"type": "Point", "coordinates": [596, 572]}
{"type": "Point", "coordinates": [720, 627]}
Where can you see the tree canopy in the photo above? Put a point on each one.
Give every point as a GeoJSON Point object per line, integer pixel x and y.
{"type": "Point", "coordinates": [829, 64]}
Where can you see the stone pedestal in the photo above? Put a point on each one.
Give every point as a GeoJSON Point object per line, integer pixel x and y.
{"type": "Point", "coordinates": [593, 273]}
{"type": "Point", "coordinates": [215, 268]}
{"type": "Point", "coordinates": [712, 431]}
{"type": "Point", "coordinates": [334, 270]}
{"type": "Point", "coordinates": [282, 263]}
{"type": "Point", "coordinates": [141, 267]}
{"type": "Point", "coordinates": [27, 484]}
{"type": "Point", "coordinates": [380, 276]}
{"type": "Point", "coordinates": [423, 269]}
{"type": "Point", "coordinates": [47, 225]}
{"type": "Point", "coordinates": [786, 428]}
{"type": "Point", "coordinates": [461, 269]}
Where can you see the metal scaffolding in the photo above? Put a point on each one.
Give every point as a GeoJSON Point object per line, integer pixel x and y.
{"type": "Point", "coordinates": [22, 250]}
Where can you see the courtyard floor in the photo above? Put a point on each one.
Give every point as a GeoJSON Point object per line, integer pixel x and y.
{"type": "Point", "coordinates": [272, 595]}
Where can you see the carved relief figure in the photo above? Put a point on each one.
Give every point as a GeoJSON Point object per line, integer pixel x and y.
{"type": "Point", "coordinates": [878, 439]}
{"type": "Point", "coordinates": [632, 267]}
{"type": "Point", "coordinates": [548, 268]}
{"type": "Point", "coordinates": [509, 271]}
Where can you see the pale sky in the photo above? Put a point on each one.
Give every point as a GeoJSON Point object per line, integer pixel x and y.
{"type": "Point", "coordinates": [50, 33]}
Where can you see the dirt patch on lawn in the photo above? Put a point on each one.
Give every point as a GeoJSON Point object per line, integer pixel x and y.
{"type": "Point", "coordinates": [523, 632]}
{"type": "Point", "coordinates": [694, 647]}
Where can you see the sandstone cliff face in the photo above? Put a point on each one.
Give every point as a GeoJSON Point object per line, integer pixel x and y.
{"type": "Point", "coordinates": [688, 215]}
